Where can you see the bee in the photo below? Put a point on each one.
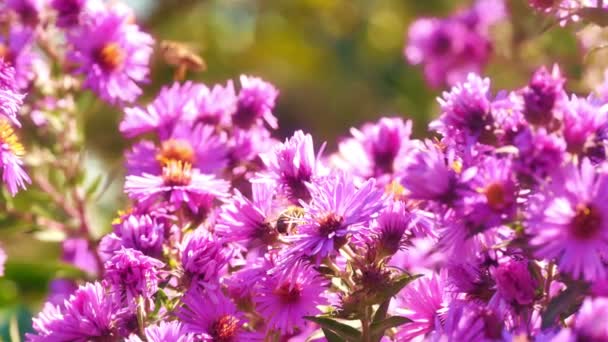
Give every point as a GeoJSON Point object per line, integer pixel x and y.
{"type": "Point", "coordinates": [288, 219]}
{"type": "Point", "coordinates": [183, 57]}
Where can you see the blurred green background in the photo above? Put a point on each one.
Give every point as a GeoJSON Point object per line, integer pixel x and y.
{"type": "Point", "coordinates": [337, 63]}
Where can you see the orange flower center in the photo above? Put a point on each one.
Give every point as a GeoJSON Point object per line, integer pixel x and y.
{"type": "Point", "coordinates": [224, 329]}
{"type": "Point", "coordinates": [5, 53]}
{"type": "Point", "coordinates": [175, 149]}
{"type": "Point", "coordinates": [111, 56]}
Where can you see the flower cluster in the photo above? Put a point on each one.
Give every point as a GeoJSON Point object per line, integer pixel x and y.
{"type": "Point", "coordinates": [449, 48]}
{"type": "Point", "coordinates": [495, 230]}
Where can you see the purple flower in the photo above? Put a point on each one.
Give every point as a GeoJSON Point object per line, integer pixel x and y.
{"type": "Point", "coordinates": [471, 321]}
{"type": "Point", "coordinates": [216, 105]}
{"type": "Point", "coordinates": [390, 228]}
{"type": "Point", "coordinates": [199, 146]}
{"type": "Point", "coordinates": [337, 210]}
{"type": "Point", "coordinates": [582, 120]}
{"type": "Point", "coordinates": [515, 283]}
{"type": "Point", "coordinates": [179, 184]}
{"type": "Point", "coordinates": [88, 314]}
{"type": "Point", "coordinates": [255, 102]}
{"type": "Point", "coordinates": [428, 176]}
{"type": "Point", "coordinates": [542, 95]}
{"type": "Point", "coordinates": [292, 165]}
{"type": "Point", "coordinates": [540, 153]}
{"type": "Point", "coordinates": [590, 323]}
{"type": "Point", "coordinates": [494, 200]}
{"type": "Point", "coordinates": [112, 53]}
{"type": "Point", "coordinates": [10, 97]}
{"type": "Point", "coordinates": [60, 289]}
{"type": "Point", "coordinates": [11, 164]}
{"type": "Point", "coordinates": [133, 274]}
{"type": "Point", "coordinates": [17, 51]}
{"type": "Point", "coordinates": [69, 11]}
{"type": "Point", "coordinates": [248, 145]}
{"type": "Point", "coordinates": [284, 301]}
{"type": "Point", "coordinates": [203, 257]}
{"type": "Point", "coordinates": [171, 105]}
{"type": "Point", "coordinates": [424, 302]}
{"type": "Point", "coordinates": [163, 332]}
{"type": "Point", "coordinates": [28, 10]}
{"type": "Point", "coordinates": [376, 149]}
{"type": "Point", "coordinates": [451, 48]}
{"type": "Point", "coordinates": [570, 223]}
{"type": "Point", "coordinates": [210, 316]}
{"type": "Point", "coordinates": [141, 232]}
{"type": "Point", "coordinates": [465, 111]}
{"type": "Point", "coordinates": [244, 220]}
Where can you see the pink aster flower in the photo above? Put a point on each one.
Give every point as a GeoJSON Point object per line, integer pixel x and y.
{"type": "Point", "coordinates": [376, 149]}
{"type": "Point", "coordinates": [69, 11]}
{"type": "Point", "coordinates": [452, 47]}
{"type": "Point", "coordinates": [582, 119]}
{"type": "Point", "coordinates": [284, 301]}
{"type": "Point", "coordinates": [28, 10]}
{"type": "Point", "coordinates": [515, 283]}
{"type": "Point", "coordinates": [245, 220]}
{"type": "Point", "coordinates": [132, 274]}
{"type": "Point", "coordinates": [293, 164]}
{"type": "Point", "coordinates": [88, 314]}
{"type": "Point", "coordinates": [543, 95]}
{"type": "Point", "coordinates": [171, 105]}
{"type": "Point", "coordinates": [338, 209]}
{"type": "Point", "coordinates": [590, 321]}
{"type": "Point", "coordinates": [570, 223]}
{"type": "Point", "coordinates": [216, 105]}
{"type": "Point", "coordinates": [471, 321]}
{"type": "Point", "coordinates": [11, 98]}
{"type": "Point", "coordinates": [179, 184]}
{"type": "Point", "coordinates": [112, 53]}
{"type": "Point", "coordinates": [465, 111]}
{"type": "Point", "coordinates": [17, 50]}
{"type": "Point", "coordinates": [163, 332]}
{"type": "Point", "coordinates": [431, 174]}
{"type": "Point", "coordinates": [203, 258]}
{"type": "Point", "coordinates": [425, 302]}
{"type": "Point", "coordinates": [198, 145]}
{"type": "Point", "coordinates": [210, 316]}
{"type": "Point", "coordinates": [142, 232]}
{"type": "Point", "coordinates": [255, 103]}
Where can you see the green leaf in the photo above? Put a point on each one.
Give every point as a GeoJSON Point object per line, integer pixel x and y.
{"type": "Point", "coordinates": [397, 285]}
{"type": "Point", "coordinates": [563, 305]}
{"type": "Point", "coordinates": [598, 16]}
{"type": "Point", "coordinates": [381, 311]}
{"type": "Point", "coordinates": [330, 336]}
{"type": "Point", "coordinates": [343, 331]}
{"type": "Point", "coordinates": [378, 328]}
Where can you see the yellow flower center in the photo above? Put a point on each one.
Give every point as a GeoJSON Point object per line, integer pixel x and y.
{"type": "Point", "coordinates": [9, 139]}
{"type": "Point", "coordinates": [177, 172]}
